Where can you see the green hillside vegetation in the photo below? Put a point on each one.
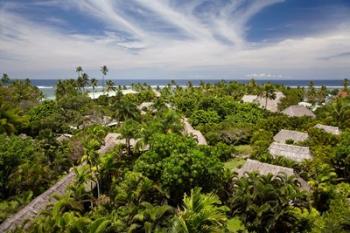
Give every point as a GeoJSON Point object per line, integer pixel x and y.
{"type": "Point", "coordinates": [166, 182]}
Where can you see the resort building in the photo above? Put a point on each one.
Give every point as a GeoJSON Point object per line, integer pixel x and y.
{"type": "Point", "coordinates": [265, 168]}
{"type": "Point", "coordinates": [291, 152]}
{"type": "Point", "coordinates": [196, 134]}
{"type": "Point", "coordinates": [329, 129]}
{"type": "Point", "coordinates": [271, 104]}
{"type": "Point", "coordinates": [285, 135]}
{"type": "Point", "coordinates": [298, 111]}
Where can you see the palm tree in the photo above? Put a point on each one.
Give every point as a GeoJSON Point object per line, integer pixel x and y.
{"type": "Point", "coordinates": [84, 80]}
{"type": "Point", "coordinates": [346, 84]}
{"type": "Point", "coordinates": [264, 203]}
{"type": "Point", "coordinates": [110, 86]}
{"type": "Point", "coordinates": [151, 218]}
{"type": "Point", "coordinates": [200, 213]}
{"type": "Point", "coordinates": [340, 113]}
{"type": "Point", "coordinates": [129, 130]}
{"type": "Point", "coordinates": [79, 70]}
{"type": "Point", "coordinates": [5, 79]}
{"type": "Point", "coordinates": [268, 92]}
{"type": "Point", "coordinates": [104, 71]}
{"type": "Point", "coordinates": [9, 118]}
{"type": "Point", "coordinates": [94, 83]}
{"type": "Point", "coordinates": [126, 110]}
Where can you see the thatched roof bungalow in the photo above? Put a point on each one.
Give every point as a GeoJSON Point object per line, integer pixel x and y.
{"type": "Point", "coordinates": [249, 98]}
{"type": "Point", "coordinates": [195, 133]}
{"type": "Point", "coordinates": [265, 168]}
{"type": "Point", "coordinates": [272, 104]}
{"type": "Point", "coordinates": [329, 129]}
{"type": "Point", "coordinates": [292, 152]}
{"type": "Point", "coordinates": [156, 92]}
{"type": "Point", "coordinates": [284, 135]}
{"type": "Point", "coordinates": [63, 137]}
{"type": "Point", "coordinates": [298, 111]}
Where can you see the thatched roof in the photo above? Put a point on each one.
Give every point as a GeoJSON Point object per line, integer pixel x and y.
{"type": "Point", "coordinates": [298, 111]}
{"type": "Point", "coordinates": [263, 168]}
{"type": "Point", "coordinates": [38, 204]}
{"type": "Point", "coordinates": [156, 93]}
{"type": "Point", "coordinates": [195, 133]}
{"type": "Point", "coordinates": [249, 98]}
{"type": "Point", "coordinates": [329, 129]}
{"type": "Point", "coordinates": [284, 135]}
{"type": "Point", "coordinates": [63, 137]}
{"type": "Point", "coordinates": [272, 104]}
{"type": "Point", "coordinates": [145, 105]}
{"type": "Point", "coordinates": [111, 140]}
{"type": "Point", "coordinates": [292, 152]}
{"type": "Point", "coordinates": [95, 119]}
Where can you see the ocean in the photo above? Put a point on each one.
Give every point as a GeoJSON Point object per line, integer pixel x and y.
{"type": "Point", "coordinates": [48, 85]}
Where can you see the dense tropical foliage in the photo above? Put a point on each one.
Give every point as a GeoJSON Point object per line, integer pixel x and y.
{"type": "Point", "coordinates": [159, 179]}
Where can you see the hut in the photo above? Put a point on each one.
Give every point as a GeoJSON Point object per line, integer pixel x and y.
{"type": "Point", "coordinates": [63, 137]}
{"type": "Point", "coordinates": [292, 152]}
{"type": "Point", "coordinates": [156, 93]}
{"type": "Point", "coordinates": [189, 130]}
{"type": "Point", "coordinates": [145, 106]}
{"type": "Point", "coordinates": [249, 98]}
{"type": "Point", "coordinates": [265, 168]}
{"type": "Point", "coordinates": [329, 129]}
{"type": "Point", "coordinates": [298, 111]}
{"type": "Point", "coordinates": [270, 104]}
{"type": "Point", "coordinates": [284, 135]}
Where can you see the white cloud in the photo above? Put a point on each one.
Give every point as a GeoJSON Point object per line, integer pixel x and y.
{"type": "Point", "coordinates": [34, 48]}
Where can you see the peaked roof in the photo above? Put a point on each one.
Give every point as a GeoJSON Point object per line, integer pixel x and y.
{"type": "Point", "coordinates": [292, 152]}
{"type": "Point", "coordinates": [196, 133]}
{"type": "Point", "coordinates": [272, 104]}
{"type": "Point", "coordinates": [329, 129]}
{"type": "Point", "coordinates": [284, 135]}
{"type": "Point", "coordinates": [263, 168]}
{"type": "Point", "coordinates": [249, 98]}
{"type": "Point", "coordinates": [298, 111]}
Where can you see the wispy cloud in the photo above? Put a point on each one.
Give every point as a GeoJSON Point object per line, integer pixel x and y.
{"type": "Point", "coordinates": [162, 38]}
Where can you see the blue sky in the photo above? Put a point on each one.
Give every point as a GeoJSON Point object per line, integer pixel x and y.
{"type": "Point", "coordinates": [170, 39]}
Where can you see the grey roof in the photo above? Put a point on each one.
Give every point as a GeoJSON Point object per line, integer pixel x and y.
{"type": "Point", "coordinates": [292, 152]}
{"type": "Point", "coordinates": [263, 168]}
{"type": "Point", "coordinates": [113, 139]}
{"type": "Point", "coordinates": [298, 111]}
{"type": "Point", "coordinates": [145, 105]}
{"type": "Point", "coordinates": [249, 98]}
{"type": "Point", "coordinates": [284, 135]}
{"type": "Point", "coordinates": [329, 129]}
{"type": "Point", "coordinates": [38, 204]}
{"type": "Point", "coordinates": [272, 104]}
{"type": "Point", "coordinates": [156, 93]}
{"type": "Point", "coordinates": [195, 133]}
{"type": "Point", "coordinates": [63, 137]}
